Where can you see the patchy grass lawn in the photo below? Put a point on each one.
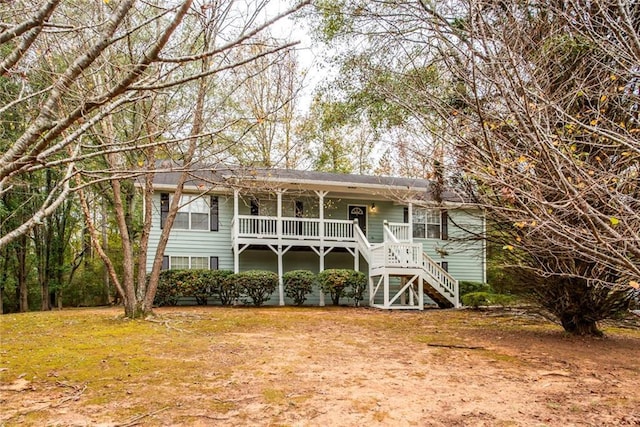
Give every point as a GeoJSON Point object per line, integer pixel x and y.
{"type": "Point", "coordinates": [312, 366]}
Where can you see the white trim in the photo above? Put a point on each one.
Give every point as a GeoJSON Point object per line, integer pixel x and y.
{"type": "Point", "coordinates": [190, 257]}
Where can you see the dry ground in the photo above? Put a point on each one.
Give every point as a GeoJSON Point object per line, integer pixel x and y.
{"type": "Point", "coordinates": [313, 367]}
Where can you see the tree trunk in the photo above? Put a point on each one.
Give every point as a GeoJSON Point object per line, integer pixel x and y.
{"type": "Point", "coordinates": [577, 325]}
{"type": "Point", "coordinates": [21, 258]}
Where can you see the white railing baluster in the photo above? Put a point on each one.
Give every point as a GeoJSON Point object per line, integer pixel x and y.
{"type": "Point", "coordinates": [399, 231]}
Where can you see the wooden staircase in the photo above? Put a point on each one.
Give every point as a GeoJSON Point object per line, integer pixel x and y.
{"type": "Point", "coordinates": [400, 273]}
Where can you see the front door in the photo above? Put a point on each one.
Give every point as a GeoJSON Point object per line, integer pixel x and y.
{"type": "Point", "coordinates": [359, 212]}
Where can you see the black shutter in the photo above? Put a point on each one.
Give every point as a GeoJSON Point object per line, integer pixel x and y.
{"type": "Point", "coordinates": [165, 262]}
{"type": "Point", "coordinates": [444, 225]}
{"type": "Point", "coordinates": [445, 266]}
{"type": "Point", "coordinates": [213, 263]}
{"type": "Point", "coordinates": [255, 209]}
{"type": "Point", "coordinates": [213, 214]}
{"type": "Point", "coordinates": [164, 208]}
{"type": "Point", "coordinates": [406, 216]}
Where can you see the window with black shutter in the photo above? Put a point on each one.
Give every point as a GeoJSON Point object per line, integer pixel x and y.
{"type": "Point", "coordinates": [213, 215]}
{"type": "Point", "coordinates": [444, 225]}
{"type": "Point", "coordinates": [164, 208]}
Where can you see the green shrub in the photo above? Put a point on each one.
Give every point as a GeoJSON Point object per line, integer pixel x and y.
{"type": "Point", "coordinates": [256, 284]}
{"type": "Point", "coordinates": [357, 285]}
{"type": "Point", "coordinates": [199, 284]}
{"type": "Point", "coordinates": [227, 290]}
{"type": "Point", "coordinates": [335, 281]}
{"type": "Point", "coordinates": [467, 287]}
{"type": "Point", "coordinates": [298, 284]}
{"type": "Point", "coordinates": [171, 286]}
{"type": "Point", "coordinates": [207, 284]}
{"type": "Point", "coordinates": [483, 299]}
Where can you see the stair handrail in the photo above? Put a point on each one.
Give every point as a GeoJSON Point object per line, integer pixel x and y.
{"type": "Point", "coordinates": [442, 278]}
{"type": "Point", "coordinates": [363, 243]}
{"type": "Point", "coordinates": [388, 234]}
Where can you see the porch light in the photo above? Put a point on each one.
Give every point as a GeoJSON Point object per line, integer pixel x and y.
{"type": "Point", "coordinates": [373, 207]}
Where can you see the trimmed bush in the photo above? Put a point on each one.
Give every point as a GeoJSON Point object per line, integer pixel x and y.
{"type": "Point", "coordinates": [467, 287]}
{"type": "Point", "coordinates": [207, 284]}
{"type": "Point", "coordinates": [357, 285]}
{"type": "Point", "coordinates": [227, 290]}
{"type": "Point", "coordinates": [483, 299]}
{"type": "Point", "coordinates": [335, 281]}
{"type": "Point", "coordinates": [256, 284]}
{"type": "Point", "coordinates": [199, 284]}
{"type": "Point", "coordinates": [298, 284]}
{"type": "Point", "coordinates": [171, 286]}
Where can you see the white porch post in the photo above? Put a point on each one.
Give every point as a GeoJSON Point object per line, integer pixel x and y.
{"type": "Point", "coordinates": [279, 231]}
{"type": "Point", "coordinates": [371, 296]}
{"type": "Point", "coordinates": [236, 233]}
{"type": "Point", "coordinates": [356, 259]}
{"type": "Point", "coordinates": [420, 292]}
{"type": "Point", "coordinates": [386, 290]}
{"type": "Point", "coordinates": [321, 195]}
{"type": "Point", "coordinates": [410, 219]}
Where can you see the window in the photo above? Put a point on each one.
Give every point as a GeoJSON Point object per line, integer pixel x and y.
{"type": "Point", "coordinates": [293, 208]}
{"type": "Point", "coordinates": [199, 263]}
{"type": "Point", "coordinates": [186, 263]}
{"type": "Point", "coordinates": [179, 262]}
{"type": "Point", "coordinates": [193, 213]}
{"type": "Point", "coordinates": [430, 224]}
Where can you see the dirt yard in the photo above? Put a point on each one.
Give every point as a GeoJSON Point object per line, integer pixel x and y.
{"type": "Point", "coordinates": [314, 367]}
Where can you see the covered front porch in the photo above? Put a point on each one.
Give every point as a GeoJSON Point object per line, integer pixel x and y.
{"type": "Point", "coordinates": [283, 220]}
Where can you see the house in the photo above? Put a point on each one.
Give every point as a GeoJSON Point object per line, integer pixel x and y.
{"type": "Point", "coordinates": [412, 248]}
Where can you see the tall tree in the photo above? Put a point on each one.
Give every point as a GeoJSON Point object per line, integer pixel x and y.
{"type": "Point", "coordinates": [138, 34]}
{"type": "Point", "coordinates": [538, 104]}
{"type": "Point", "coordinates": [122, 80]}
{"type": "Point", "coordinates": [265, 100]}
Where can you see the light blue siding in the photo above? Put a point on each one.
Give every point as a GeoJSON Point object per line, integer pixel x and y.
{"type": "Point", "coordinates": [199, 243]}
{"type": "Point", "coordinates": [465, 256]}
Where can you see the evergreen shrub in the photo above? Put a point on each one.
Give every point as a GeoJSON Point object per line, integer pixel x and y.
{"type": "Point", "coordinates": [198, 284]}
{"type": "Point", "coordinates": [298, 284]}
{"type": "Point", "coordinates": [336, 281]}
{"type": "Point", "coordinates": [258, 285]}
{"type": "Point", "coordinates": [357, 285]}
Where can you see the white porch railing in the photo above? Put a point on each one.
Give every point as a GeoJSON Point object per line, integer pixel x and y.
{"type": "Point", "coordinates": [294, 228]}
{"type": "Point", "coordinates": [396, 252]}
{"type": "Point", "coordinates": [400, 231]}
{"type": "Point", "coordinates": [387, 234]}
{"type": "Point", "coordinates": [338, 229]}
{"type": "Point", "coordinates": [363, 244]}
{"type": "Point", "coordinates": [257, 226]}
{"type": "Point", "coordinates": [301, 228]}
{"type": "Point", "coordinates": [390, 255]}
{"type": "Point", "coordinates": [443, 281]}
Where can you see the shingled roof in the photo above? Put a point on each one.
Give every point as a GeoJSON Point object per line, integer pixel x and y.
{"type": "Point", "coordinates": [216, 176]}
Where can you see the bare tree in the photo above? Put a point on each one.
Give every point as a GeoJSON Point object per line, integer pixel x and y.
{"type": "Point", "coordinates": [110, 89]}
{"type": "Point", "coordinates": [538, 103]}
{"type": "Point", "coordinates": [265, 99]}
